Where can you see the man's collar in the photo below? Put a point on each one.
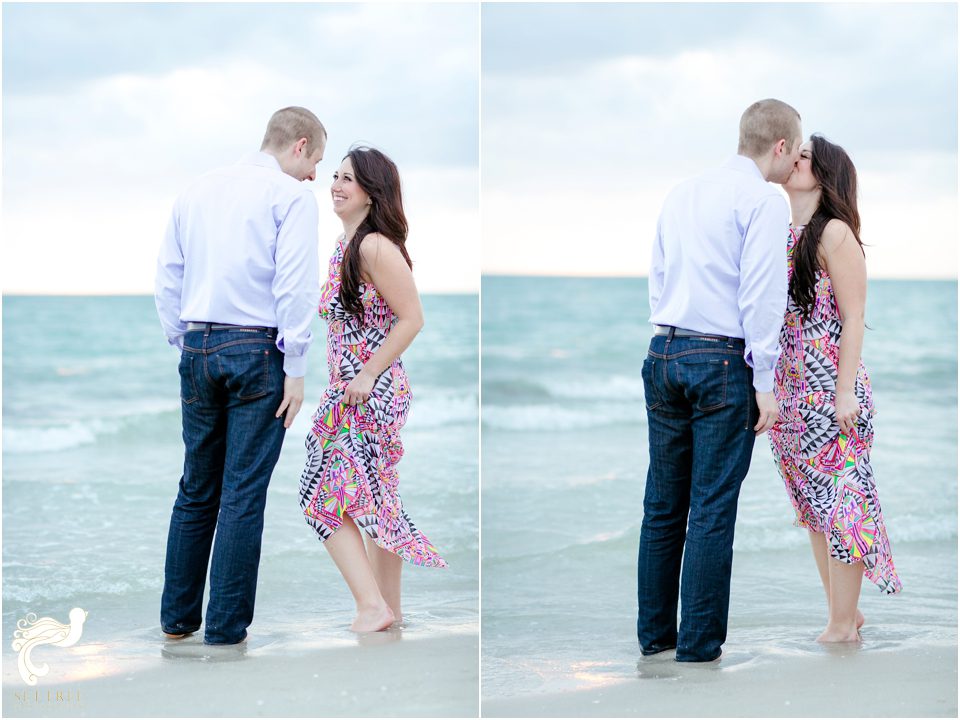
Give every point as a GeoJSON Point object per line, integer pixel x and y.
{"type": "Point", "coordinates": [744, 164]}
{"type": "Point", "coordinates": [262, 159]}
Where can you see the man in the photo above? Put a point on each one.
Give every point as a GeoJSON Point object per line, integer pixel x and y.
{"type": "Point", "coordinates": [236, 289]}
{"type": "Point", "coordinates": [718, 292]}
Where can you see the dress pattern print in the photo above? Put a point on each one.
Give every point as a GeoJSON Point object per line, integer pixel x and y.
{"type": "Point", "coordinates": [353, 450]}
{"type": "Point", "coordinates": [827, 473]}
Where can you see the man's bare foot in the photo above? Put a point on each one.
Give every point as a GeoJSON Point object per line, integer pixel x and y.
{"type": "Point", "coordinates": [373, 619]}
{"type": "Point", "coordinates": [839, 635]}
{"type": "Point", "coordinates": [176, 636]}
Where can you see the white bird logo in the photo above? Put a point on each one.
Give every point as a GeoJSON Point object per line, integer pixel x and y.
{"type": "Point", "coordinates": [32, 632]}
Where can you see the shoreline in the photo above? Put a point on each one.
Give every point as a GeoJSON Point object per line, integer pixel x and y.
{"type": "Point", "coordinates": [383, 674]}
{"type": "Point", "coordinates": [585, 661]}
{"type": "Point", "coordinates": [906, 682]}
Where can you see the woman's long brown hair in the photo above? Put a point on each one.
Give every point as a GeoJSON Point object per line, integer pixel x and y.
{"type": "Point", "coordinates": [378, 176]}
{"type": "Point", "coordinates": [837, 176]}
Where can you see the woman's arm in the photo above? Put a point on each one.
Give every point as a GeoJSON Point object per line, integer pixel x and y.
{"type": "Point", "coordinates": [844, 261]}
{"type": "Point", "coordinates": [383, 266]}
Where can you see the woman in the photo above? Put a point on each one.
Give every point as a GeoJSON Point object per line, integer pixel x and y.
{"type": "Point", "coordinates": [373, 313]}
{"type": "Point", "coordinates": [823, 438]}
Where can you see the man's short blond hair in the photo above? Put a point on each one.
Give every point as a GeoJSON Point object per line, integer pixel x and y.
{"type": "Point", "coordinates": [764, 124]}
{"type": "Point", "coordinates": [289, 124]}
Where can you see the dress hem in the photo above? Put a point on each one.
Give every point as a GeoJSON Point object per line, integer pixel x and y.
{"type": "Point", "coordinates": [867, 569]}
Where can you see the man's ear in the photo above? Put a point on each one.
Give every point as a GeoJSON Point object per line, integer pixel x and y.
{"type": "Point", "coordinates": [298, 147]}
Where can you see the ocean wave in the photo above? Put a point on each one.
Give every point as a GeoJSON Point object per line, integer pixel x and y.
{"type": "Point", "coordinates": [56, 436]}
{"type": "Point", "coordinates": [613, 387]}
{"type": "Point", "coordinates": [552, 417]}
{"type": "Point", "coordinates": [903, 528]}
{"type": "Point", "coordinates": [922, 527]}
{"type": "Point", "coordinates": [506, 352]}
{"type": "Point", "coordinates": [51, 590]}
{"type": "Point", "coordinates": [750, 540]}
{"type": "Point", "coordinates": [514, 389]}
{"type": "Point", "coordinates": [52, 439]}
{"type": "Point", "coordinates": [607, 543]}
{"type": "Point", "coordinates": [442, 409]}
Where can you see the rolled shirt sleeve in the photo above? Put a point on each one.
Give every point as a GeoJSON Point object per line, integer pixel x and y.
{"type": "Point", "coordinates": [296, 284]}
{"type": "Point", "coordinates": [168, 285]}
{"type": "Point", "coordinates": [762, 296]}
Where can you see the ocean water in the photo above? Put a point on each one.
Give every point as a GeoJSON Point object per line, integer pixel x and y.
{"type": "Point", "coordinates": [92, 456]}
{"type": "Point", "coordinates": [564, 457]}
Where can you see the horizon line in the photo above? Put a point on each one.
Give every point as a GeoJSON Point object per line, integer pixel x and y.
{"type": "Point", "coordinates": [18, 293]}
{"type": "Point", "coordinates": [599, 276]}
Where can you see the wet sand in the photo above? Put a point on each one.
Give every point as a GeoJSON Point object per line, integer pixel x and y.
{"type": "Point", "coordinates": [584, 661]}
{"type": "Point", "coordinates": [839, 682]}
{"type": "Point", "coordinates": [286, 674]}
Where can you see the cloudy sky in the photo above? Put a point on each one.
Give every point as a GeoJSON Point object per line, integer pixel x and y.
{"type": "Point", "coordinates": [592, 112]}
{"type": "Point", "coordinates": [109, 110]}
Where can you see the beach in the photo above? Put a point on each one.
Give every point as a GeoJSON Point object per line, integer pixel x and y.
{"type": "Point", "coordinates": [389, 674]}
{"type": "Point", "coordinates": [771, 665]}
{"type": "Point", "coordinates": [564, 459]}
{"type": "Point", "coordinates": [92, 457]}
{"type": "Point", "coordinates": [793, 686]}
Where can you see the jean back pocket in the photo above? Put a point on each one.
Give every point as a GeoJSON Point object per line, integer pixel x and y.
{"type": "Point", "coordinates": [705, 380]}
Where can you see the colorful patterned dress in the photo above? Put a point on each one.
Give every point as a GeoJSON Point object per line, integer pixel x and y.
{"type": "Point", "coordinates": [353, 451]}
{"type": "Point", "coordinates": [827, 473]}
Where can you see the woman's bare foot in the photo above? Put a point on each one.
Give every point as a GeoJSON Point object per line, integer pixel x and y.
{"type": "Point", "coordinates": [860, 619]}
{"type": "Point", "coordinates": [373, 619]}
{"type": "Point", "coordinates": [839, 634]}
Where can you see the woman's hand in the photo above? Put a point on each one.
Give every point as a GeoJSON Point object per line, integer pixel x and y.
{"type": "Point", "coordinates": [848, 410]}
{"type": "Point", "coordinates": [359, 389]}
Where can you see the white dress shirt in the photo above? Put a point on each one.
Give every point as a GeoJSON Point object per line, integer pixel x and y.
{"type": "Point", "coordinates": [720, 261]}
{"type": "Point", "coordinates": [241, 249]}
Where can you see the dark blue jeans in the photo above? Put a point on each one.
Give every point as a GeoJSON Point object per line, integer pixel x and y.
{"type": "Point", "coordinates": [231, 384]}
{"type": "Point", "coordinates": [701, 410]}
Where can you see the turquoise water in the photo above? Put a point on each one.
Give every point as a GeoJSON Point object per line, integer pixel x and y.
{"type": "Point", "coordinates": [564, 458]}
{"type": "Point", "coordinates": [92, 456]}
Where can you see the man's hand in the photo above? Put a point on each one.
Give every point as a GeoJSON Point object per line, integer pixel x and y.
{"type": "Point", "coordinates": [769, 412]}
{"type": "Point", "coordinates": [292, 399]}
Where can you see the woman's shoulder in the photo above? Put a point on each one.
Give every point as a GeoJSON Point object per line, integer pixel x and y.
{"type": "Point", "coordinates": [840, 247]}
{"type": "Point", "coordinates": [375, 245]}
{"type": "Point", "coordinates": [834, 233]}
{"type": "Point", "coordinates": [373, 241]}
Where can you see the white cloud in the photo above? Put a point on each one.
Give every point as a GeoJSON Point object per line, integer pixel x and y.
{"type": "Point", "coordinates": [125, 129]}
{"type": "Point", "coordinates": [576, 163]}
{"type": "Point", "coordinates": [91, 168]}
